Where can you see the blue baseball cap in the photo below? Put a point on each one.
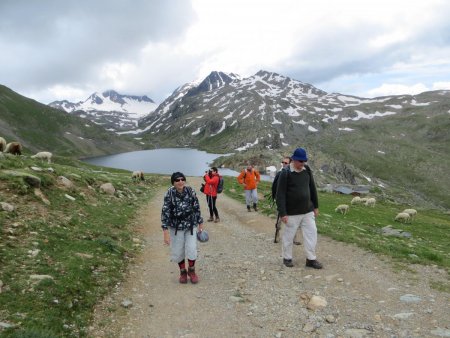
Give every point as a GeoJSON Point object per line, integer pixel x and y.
{"type": "Point", "coordinates": [299, 155]}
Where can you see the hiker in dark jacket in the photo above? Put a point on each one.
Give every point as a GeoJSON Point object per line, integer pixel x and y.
{"type": "Point", "coordinates": [298, 205]}
{"type": "Point", "coordinates": [180, 217]}
{"type": "Point", "coordinates": [285, 162]}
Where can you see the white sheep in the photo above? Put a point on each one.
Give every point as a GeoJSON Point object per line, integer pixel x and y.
{"type": "Point", "coordinates": [370, 202]}
{"type": "Point", "coordinates": [137, 175]}
{"type": "Point", "coordinates": [356, 200]}
{"type": "Point", "coordinates": [411, 212]}
{"type": "Point", "coordinates": [44, 155]}
{"type": "Point", "coordinates": [2, 144]}
{"type": "Point", "coordinates": [342, 208]}
{"type": "Point", "coordinates": [403, 217]}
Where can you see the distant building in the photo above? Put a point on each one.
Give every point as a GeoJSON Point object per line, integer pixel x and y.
{"type": "Point", "coordinates": [271, 171]}
{"type": "Point", "coordinates": [361, 190]}
{"type": "Point", "coordinates": [342, 190]}
{"type": "Point", "coordinates": [351, 190]}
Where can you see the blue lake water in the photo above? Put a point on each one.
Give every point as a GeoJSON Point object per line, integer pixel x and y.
{"type": "Point", "coordinates": [190, 162]}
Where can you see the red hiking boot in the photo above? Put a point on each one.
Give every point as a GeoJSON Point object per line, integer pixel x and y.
{"type": "Point", "coordinates": [192, 275]}
{"type": "Point", "coordinates": [183, 276]}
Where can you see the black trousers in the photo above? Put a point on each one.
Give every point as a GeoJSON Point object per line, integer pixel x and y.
{"type": "Point", "coordinates": [211, 200]}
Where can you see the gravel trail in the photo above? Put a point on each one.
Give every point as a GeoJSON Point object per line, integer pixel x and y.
{"type": "Point", "coordinates": [246, 291]}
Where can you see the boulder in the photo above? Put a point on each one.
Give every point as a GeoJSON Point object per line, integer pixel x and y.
{"type": "Point", "coordinates": [107, 188]}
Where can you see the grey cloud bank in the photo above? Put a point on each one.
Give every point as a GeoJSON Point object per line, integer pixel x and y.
{"type": "Point", "coordinates": [53, 50]}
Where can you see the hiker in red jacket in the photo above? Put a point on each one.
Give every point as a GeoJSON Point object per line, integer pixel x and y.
{"type": "Point", "coordinates": [212, 182]}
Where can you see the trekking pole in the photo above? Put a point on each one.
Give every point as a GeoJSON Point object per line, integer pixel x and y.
{"type": "Point", "coordinates": [277, 229]}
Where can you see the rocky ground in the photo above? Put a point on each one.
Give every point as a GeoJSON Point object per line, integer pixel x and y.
{"type": "Point", "coordinates": [246, 291]}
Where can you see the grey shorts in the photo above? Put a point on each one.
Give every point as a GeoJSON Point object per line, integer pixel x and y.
{"type": "Point", "coordinates": [183, 245]}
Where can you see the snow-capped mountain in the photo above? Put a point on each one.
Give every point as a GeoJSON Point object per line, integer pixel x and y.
{"type": "Point", "coordinates": [112, 110]}
{"type": "Point", "coordinates": [274, 110]}
{"type": "Point", "coordinates": [391, 140]}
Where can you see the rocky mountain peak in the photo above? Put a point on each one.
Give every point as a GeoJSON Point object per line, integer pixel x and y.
{"type": "Point", "coordinates": [213, 81]}
{"type": "Point", "coordinates": [114, 96]}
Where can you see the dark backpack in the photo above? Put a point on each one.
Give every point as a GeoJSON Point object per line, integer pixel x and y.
{"type": "Point", "coordinates": [220, 185]}
{"type": "Point", "coordinates": [275, 185]}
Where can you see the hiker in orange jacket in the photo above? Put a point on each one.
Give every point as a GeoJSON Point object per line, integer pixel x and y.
{"type": "Point", "coordinates": [250, 178]}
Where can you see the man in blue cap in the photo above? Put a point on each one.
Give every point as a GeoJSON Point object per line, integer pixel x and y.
{"type": "Point", "coordinates": [298, 206]}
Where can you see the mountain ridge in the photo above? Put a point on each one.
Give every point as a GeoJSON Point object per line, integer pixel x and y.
{"type": "Point", "coordinates": [110, 109]}
{"type": "Point", "coordinates": [398, 144]}
{"type": "Point", "coordinates": [348, 136]}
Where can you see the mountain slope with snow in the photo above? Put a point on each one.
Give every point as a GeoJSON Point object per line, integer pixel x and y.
{"type": "Point", "coordinates": [392, 140]}
{"type": "Point", "coordinates": [274, 110]}
{"type": "Point", "coordinates": [110, 109]}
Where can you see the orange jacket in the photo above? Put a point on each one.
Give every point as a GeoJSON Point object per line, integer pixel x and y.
{"type": "Point", "coordinates": [211, 184]}
{"type": "Point", "coordinates": [249, 178]}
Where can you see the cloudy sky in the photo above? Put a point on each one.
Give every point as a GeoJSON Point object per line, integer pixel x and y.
{"type": "Point", "coordinates": [53, 50]}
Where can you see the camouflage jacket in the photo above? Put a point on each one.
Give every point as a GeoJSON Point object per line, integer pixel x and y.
{"type": "Point", "coordinates": [180, 210]}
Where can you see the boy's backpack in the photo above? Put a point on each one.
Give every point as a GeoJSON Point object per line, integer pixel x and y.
{"type": "Point", "coordinates": [220, 185]}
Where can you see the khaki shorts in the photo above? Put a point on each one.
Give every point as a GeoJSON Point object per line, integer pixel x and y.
{"type": "Point", "coordinates": [183, 245]}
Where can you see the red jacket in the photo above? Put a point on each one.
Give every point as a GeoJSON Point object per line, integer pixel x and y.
{"type": "Point", "coordinates": [211, 184]}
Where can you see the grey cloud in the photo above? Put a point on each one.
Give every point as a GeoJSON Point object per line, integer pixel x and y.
{"type": "Point", "coordinates": [64, 41]}
{"type": "Point", "coordinates": [331, 54]}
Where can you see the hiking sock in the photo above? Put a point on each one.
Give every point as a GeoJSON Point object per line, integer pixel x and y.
{"type": "Point", "coordinates": [191, 263]}
{"type": "Point", "coordinates": [182, 265]}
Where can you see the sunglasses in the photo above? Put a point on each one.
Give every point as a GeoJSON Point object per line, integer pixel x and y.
{"type": "Point", "coordinates": [284, 162]}
{"type": "Point", "coordinates": [180, 179]}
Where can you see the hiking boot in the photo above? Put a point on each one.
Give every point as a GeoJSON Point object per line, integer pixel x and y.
{"type": "Point", "coordinates": [217, 220]}
{"type": "Point", "coordinates": [313, 263]}
{"type": "Point", "coordinates": [248, 208]}
{"type": "Point", "coordinates": [183, 276]}
{"type": "Point", "coordinates": [288, 262]}
{"type": "Point", "coordinates": [255, 207]}
{"type": "Point", "coordinates": [192, 275]}
{"type": "Point", "coordinates": [297, 243]}
{"type": "Point", "coordinates": [210, 219]}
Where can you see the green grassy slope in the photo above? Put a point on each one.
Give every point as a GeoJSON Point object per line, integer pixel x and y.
{"type": "Point", "coordinates": [42, 128]}
{"type": "Point", "coordinates": [58, 259]}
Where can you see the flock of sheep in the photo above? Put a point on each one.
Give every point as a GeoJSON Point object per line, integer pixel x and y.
{"type": "Point", "coordinates": [406, 216]}
{"type": "Point", "coordinates": [15, 148]}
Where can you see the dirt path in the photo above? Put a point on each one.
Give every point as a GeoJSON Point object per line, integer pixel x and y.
{"type": "Point", "coordinates": [245, 290]}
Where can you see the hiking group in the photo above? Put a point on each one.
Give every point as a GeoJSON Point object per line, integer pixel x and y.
{"type": "Point", "coordinates": [293, 190]}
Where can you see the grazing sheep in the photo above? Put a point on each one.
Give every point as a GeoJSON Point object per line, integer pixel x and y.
{"type": "Point", "coordinates": [411, 212]}
{"type": "Point", "coordinates": [356, 200]}
{"type": "Point", "coordinates": [403, 217]}
{"type": "Point", "coordinates": [342, 208]}
{"type": "Point", "coordinates": [370, 202]}
{"type": "Point", "coordinates": [2, 144]}
{"type": "Point", "coordinates": [137, 175]}
{"type": "Point", "coordinates": [14, 148]}
{"type": "Point", "coordinates": [44, 155]}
